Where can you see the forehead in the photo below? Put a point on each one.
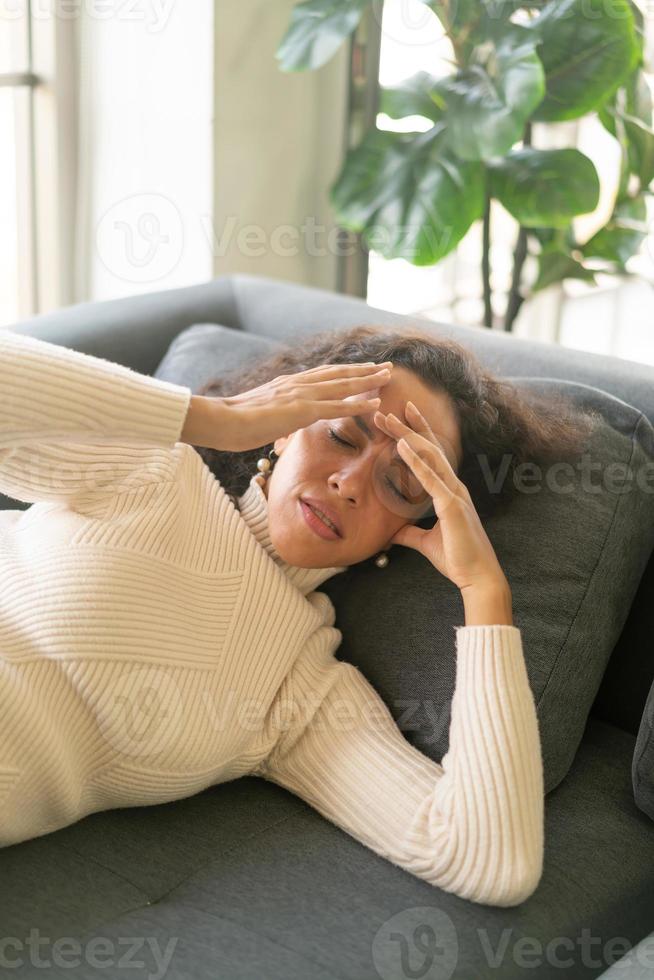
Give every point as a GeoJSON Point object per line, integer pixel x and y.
{"type": "Point", "coordinates": [435, 405]}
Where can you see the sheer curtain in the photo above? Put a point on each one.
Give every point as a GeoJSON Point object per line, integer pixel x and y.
{"type": "Point", "coordinates": [144, 192]}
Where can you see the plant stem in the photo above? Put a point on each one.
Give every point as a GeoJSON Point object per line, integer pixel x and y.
{"type": "Point", "coordinates": [516, 298]}
{"type": "Point", "coordinates": [485, 264]}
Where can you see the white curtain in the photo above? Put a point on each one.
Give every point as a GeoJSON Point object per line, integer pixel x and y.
{"type": "Point", "coordinates": [145, 160]}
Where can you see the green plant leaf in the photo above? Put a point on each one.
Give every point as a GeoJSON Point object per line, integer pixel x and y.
{"type": "Point", "coordinates": [557, 266]}
{"type": "Point", "coordinates": [639, 25]}
{"type": "Point", "coordinates": [545, 187]}
{"type": "Point", "coordinates": [414, 97]}
{"type": "Point", "coordinates": [468, 20]}
{"type": "Point", "coordinates": [587, 48]}
{"type": "Point", "coordinates": [554, 239]}
{"type": "Point", "coordinates": [489, 101]}
{"type": "Point", "coordinates": [316, 31]}
{"type": "Point", "coordinates": [632, 104]}
{"type": "Point", "coordinates": [622, 235]}
{"type": "Point", "coordinates": [408, 196]}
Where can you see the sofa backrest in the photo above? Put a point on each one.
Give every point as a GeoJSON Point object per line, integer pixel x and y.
{"type": "Point", "coordinates": [137, 330]}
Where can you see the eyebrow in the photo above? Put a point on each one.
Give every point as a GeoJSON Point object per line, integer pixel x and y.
{"type": "Point", "coordinates": [363, 425]}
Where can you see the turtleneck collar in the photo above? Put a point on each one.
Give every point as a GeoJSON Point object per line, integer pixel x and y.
{"type": "Point", "coordinates": [253, 507]}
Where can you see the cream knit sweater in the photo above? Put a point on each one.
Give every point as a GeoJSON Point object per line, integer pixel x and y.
{"type": "Point", "coordinates": [152, 644]}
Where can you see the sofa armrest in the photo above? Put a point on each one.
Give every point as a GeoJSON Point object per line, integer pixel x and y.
{"type": "Point", "coordinates": [136, 330]}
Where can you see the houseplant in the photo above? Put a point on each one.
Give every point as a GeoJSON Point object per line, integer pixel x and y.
{"type": "Point", "coordinates": [514, 62]}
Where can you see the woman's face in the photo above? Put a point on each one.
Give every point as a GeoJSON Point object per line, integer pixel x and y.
{"type": "Point", "coordinates": [357, 482]}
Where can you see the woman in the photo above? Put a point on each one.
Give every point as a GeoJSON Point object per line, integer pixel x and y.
{"type": "Point", "coordinates": [160, 631]}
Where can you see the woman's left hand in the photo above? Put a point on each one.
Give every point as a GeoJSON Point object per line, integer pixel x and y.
{"type": "Point", "coordinates": [457, 545]}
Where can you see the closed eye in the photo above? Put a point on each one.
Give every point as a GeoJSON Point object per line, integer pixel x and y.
{"type": "Point", "coordinates": [336, 438]}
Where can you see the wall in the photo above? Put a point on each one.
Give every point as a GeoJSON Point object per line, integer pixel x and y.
{"type": "Point", "coordinates": [278, 145]}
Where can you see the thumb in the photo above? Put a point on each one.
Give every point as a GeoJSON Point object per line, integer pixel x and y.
{"type": "Point", "coordinates": [410, 536]}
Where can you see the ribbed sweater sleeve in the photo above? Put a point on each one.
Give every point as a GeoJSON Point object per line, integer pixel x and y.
{"type": "Point", "coordinates": [472, 825]}
{"type": "Point", "coordinates": [73, 426]}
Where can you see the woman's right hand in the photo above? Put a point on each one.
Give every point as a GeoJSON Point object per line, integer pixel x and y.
{"type": "Point", "coordinates": [236, 423]}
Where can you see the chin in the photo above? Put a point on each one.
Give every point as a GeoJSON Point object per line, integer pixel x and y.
{"type": "Point", "coordinates": [297, 554]}
{"type": "Point", "coordinates": [300, 559]}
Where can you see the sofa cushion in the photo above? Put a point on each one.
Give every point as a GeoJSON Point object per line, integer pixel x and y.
{"type": "Point", "coordinates": [573, 550]}
{"type": "Point", "coordinates": [204, 350]}
{"type": "Point", "coordinates": [246, 880]}
{"type": "Point", "coordinates": [642, 769]}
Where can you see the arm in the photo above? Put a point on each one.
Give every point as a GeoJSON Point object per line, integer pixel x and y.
{"type": "Point", "coordinates": [73, 425]}
{"type": "Point", "coordinates": [472, 825]}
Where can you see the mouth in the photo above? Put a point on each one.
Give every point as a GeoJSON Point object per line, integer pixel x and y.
{"type": "Point", "coordinates": [320, 520]}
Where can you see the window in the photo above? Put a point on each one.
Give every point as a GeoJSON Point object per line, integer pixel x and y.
{"type": "Point", "coordinates": [611, 318]}
{"type": "Point", "coordinates": [106, 163]}
{"type": "Point", "coordinates": [16, 84]}
{"type": "Point", "coordinates": [35, 173]}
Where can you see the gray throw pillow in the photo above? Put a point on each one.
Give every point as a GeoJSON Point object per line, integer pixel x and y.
{"type": "Point", "coordinates": [572, 547]}
{"type": "Point", "coordinates": [642, 770]}
{"type": "Point", "coordinates": [206, 350]}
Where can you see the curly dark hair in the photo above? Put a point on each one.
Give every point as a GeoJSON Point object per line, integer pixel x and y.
{"type": "Point", "coordinates": [501, 427]}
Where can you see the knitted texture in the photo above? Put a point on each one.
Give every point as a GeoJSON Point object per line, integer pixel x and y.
{"type": "Point", "coordinates": [153, 643]}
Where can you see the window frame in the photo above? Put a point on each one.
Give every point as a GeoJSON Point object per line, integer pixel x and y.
{"type": "Point", "coordinates": [45, 134]}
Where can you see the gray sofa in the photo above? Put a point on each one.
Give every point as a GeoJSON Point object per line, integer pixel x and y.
{"type": "Point", "coordinates": [245, 880]}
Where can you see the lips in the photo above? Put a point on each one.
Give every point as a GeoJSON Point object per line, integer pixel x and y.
{"type": "Point", "coordinates": [327, 511]}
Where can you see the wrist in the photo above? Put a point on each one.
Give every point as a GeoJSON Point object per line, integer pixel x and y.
{"type": "Point", "coordinates": [201, 424]}
{"type": "Point", "coordinates": [488, 604]}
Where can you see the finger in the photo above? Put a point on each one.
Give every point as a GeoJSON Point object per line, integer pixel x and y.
{"type": "Point", "coordinates": [342, 387]}
{"type": "Point", "coordinates": [337, 409]}
{"type": "Point", "coordinates": [418, 421]}
{"type": "Point", "coordinates": [330, 370]}
{"type": "Point", "coordinates": [432, 482]}
{"type": "Point", "coordinates": [410, 536]}
{"type": "Point", "coordinates": [397, 429]}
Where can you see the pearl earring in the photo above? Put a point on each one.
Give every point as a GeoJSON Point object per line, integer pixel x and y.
{"type": "Point", "coordinates": [265, 466]}
{"type": "Point", "coordinates": [381, 561]}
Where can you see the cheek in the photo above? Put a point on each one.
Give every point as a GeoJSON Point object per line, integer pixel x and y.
{"type": "Point", "coordinates": [299, 452]}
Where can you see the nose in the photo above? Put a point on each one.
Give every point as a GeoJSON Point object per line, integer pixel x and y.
{"type": "Point", "coordinates": [352, 479]}
{"type": "Point", "coordinates": [344, 488]}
